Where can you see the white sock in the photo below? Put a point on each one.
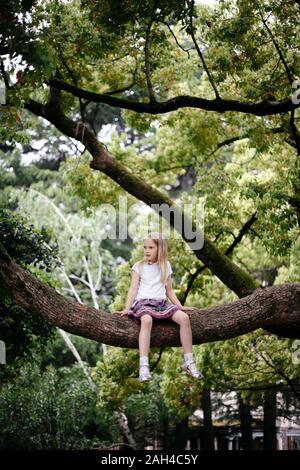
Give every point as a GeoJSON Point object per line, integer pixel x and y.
{"type": "Point", "coordinates": [144, 361]}
{"type": "Point", "coordinates": [188, 357]}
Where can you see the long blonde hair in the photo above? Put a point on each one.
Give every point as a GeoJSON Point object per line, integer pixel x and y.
{"type": "Point", "coordinates": [162, 254]}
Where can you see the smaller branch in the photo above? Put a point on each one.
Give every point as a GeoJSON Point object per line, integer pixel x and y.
{"type": "Point", "coordinates": [99, 273]}
{"type": "Point", "coordinates": [147, 65]}
{"type": "Point", "coordinates": [200, 53]}
{"type": "Point", "coordinates": [287, 69]}
{"type": "Point", "coordinates": [227, 142]}
{"type": "Point", "coordinates": [176, 40]}
{"type": "Point", "coordinates": [91, 283]}
{"type": "Point", "coordinates": [120, 90]}
{"type": "Point", "coordinates": [291, 143]}
{"type": "Point", "coordinates": [229, 250]}
{"type": "Point", "coordinates": [242, 232]}
{"type": "Point", "coordinates": [74, 79]}
{"type": "Point", "coordinates": [160, 354]}
{"type": "Point", "coordinates": [77, 356]}
{"type": "Point", "coordinates": [281, 374]}
{"type": "Point", "coordinates": [80, 279]}
{"type": "Point", "coordinates": [71, 286]}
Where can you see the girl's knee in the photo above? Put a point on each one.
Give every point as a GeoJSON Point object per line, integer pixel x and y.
{"type": "Point", "coordinates": [146, 320]}
{"type": "Point", "coordinates": [183, 317]}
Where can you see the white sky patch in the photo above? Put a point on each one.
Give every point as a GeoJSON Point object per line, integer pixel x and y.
{"type": "Point", "coordinates": [106, 133]}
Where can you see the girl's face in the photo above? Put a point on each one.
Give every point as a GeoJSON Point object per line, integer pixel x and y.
{"type": "Point", "coordinates": [150, 250]}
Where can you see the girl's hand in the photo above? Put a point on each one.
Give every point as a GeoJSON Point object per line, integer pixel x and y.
{"type": "Point", "coordinates": [122, 312]}
{"type": "Point", "coordinates": [188, 309]}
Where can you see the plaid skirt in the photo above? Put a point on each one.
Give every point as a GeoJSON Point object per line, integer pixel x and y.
{"type": "Point", "coordinates": [157, 308]}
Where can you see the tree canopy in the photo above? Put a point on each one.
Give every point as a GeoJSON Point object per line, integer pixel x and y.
{"type": "Point", "coordinates": [214, 89]}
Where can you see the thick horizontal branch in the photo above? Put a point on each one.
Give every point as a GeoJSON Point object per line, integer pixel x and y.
{"type": "Point", "coordinates": [277, 306]}
{"type": "Point", "coordinates": [262, 108]}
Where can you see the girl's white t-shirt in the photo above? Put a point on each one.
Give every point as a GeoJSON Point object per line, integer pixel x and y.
{"type": "Point", "coordinates": [150, 286]}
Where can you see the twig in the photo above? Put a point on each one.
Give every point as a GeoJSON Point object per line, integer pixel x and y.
{"type": "Point", "coordinates": [147, 65]}
{"type": "Point", "coordinates": [200, 53]}
{"type": "Point", "coordinates": [176, 40]}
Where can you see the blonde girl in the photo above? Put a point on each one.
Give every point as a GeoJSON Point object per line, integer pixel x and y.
{"type": "Point", "coordinates": [151, 284]}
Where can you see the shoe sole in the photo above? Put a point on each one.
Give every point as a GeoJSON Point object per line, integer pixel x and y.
{"type": "Point", "coordinates": [145, 380]}
{"type": "Point", "coordinates": [190, 374]}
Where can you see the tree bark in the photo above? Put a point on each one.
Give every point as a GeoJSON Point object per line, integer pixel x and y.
{"type": "Point", "coordinates": [268, 308]}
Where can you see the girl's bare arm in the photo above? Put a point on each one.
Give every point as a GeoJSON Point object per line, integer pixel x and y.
{"type": "Point", "coordinates": [135, 279]}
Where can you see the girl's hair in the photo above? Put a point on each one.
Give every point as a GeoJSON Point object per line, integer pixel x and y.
{"type": "Point", "coordinates": [162, 254]}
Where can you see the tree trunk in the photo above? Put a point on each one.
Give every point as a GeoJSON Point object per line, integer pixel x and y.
{"type": "Point", "coordinates": [181, 435]}
{"type": "Point", "coordinates": [270, 420]}
{"type": "Point", "coordinates": [246, 424]}
{"type": "Point", "coordinates": [208, 431]}
{"type": "Point", "coordinates": [123, 422]}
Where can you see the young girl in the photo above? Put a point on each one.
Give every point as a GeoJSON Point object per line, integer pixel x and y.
{"type": "Point", "coordinates": [151, 282]}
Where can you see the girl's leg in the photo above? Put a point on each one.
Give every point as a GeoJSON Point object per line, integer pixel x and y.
{"type": "Point", "coordinates": [186, 338]}
{"type": "Point", "coordinates": [145, 335]}
{"type": "Point", "coordinates": [144, 347]}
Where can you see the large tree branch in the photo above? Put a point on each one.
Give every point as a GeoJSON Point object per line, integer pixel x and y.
{"type": "Point", "coordinates": [262, 108]}
{"type": "Point", "coordinates": [277, 306]}
{"type": "Point", "coordinates": [234, 277]}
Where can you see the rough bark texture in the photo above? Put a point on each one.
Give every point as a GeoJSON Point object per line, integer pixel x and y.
{"type": "Point", "coordinates": [270, 307]}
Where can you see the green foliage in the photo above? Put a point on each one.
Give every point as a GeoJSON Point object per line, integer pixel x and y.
{"type": "Point", "coordinates": [59, 355]}
{"type": "Point", "coordinates": [242, 164]}
{"type": "Point", "coordinates": [84, 261]}
{"type": "Point", "coordinates": [25, 244]}
{"type": "Point", "coordinates": [171, 392]}
{"type": "Point", "coordinates": [24, 333]}
{"type": "Point", "coordinates": [51, 410]}
{"type": "Point", "coordinates": [249, 363]}
{"type": "Point", "coordinates": [92, 188]}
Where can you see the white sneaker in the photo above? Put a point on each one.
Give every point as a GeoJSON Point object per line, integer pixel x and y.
{"type": "Point", "coordinates": [191, 369]}
{"type": "Point", "coordinates": [144, 374]}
